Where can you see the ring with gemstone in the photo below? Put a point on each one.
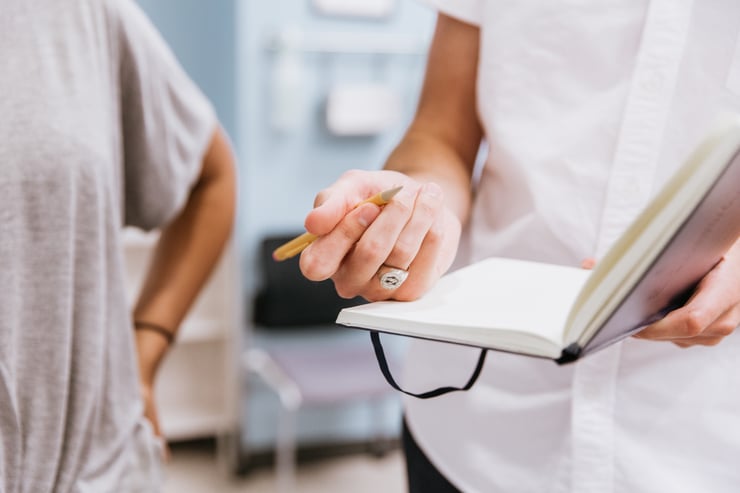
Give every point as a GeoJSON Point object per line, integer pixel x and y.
{"type": "Point", "coordinates": [391, 277]}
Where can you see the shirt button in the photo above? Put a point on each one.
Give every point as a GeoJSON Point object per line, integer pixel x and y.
{"type": "Point", "coordinates": [652, 81]}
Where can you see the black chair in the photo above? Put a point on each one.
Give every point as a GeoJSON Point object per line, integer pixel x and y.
{"type": "Point", "coordinates": [306, 376]}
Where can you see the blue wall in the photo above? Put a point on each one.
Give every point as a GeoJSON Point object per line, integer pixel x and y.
{"type": "Point", "coordinates": [282, 170]}
{"type": "Point", "coordinates": [203, 36]}
{"type": "Point", "coordinates": [227, 47]}
{"type": "Point", "coordinates": [286, 169]}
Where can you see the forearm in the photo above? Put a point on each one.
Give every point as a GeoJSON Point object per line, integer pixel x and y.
{"type": "Point", "coordinates": [419, 230]}
{"type": "Point", "coordinates": [442, 142]}
{"type": "Point", "coordinates": [188, 249]}
{"type": "Point", "coordinates": [427, 158]}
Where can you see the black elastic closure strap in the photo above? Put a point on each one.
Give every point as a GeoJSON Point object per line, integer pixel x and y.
{"type": "Point", "coordinates": [383, 363]}
{"type": "Point", "coordinates": [570, 354]}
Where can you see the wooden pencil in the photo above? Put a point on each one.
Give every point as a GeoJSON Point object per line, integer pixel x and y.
{"type": "Point", "coordinates": [299, 243]}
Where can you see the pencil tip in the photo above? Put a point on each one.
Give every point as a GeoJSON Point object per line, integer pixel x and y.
{"type": "Point", "coordinates": [388, 194]}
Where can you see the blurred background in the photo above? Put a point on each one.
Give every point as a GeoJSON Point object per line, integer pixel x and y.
{"type": "Point", "coordinates": [263, 392]}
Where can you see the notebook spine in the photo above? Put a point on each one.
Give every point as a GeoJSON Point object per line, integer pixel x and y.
{"type": "Point", "coordinates": [569, 354]}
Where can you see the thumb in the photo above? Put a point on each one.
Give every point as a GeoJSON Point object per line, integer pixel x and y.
{"type": "Point", "coordinates": [354, 186]}
{"type": "Point", "coordinates": [331, 206]}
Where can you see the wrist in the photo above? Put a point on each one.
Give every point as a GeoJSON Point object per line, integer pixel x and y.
{"type": "Point", "coordinates": [151, 348]}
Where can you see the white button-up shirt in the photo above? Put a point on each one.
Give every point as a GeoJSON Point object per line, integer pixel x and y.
{"type": "Point", "coordinates": [588, 107]}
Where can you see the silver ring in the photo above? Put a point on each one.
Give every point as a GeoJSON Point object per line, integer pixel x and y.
{"type": "Point", "coordinates": [392, 278]}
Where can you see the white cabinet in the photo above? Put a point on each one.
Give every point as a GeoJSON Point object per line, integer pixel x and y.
{"type": "Point", "coordinates": [197, 385]}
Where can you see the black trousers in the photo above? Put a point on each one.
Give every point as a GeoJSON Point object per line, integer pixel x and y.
{"type": "Point", "coordinates": [422, 476]}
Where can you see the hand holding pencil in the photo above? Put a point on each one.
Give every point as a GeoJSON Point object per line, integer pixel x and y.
{"type": "Point", "coordinates": [299, 243]}
{"type": "Point", "coordinates": [378, 248]}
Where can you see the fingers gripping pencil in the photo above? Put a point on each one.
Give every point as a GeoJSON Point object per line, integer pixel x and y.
{"type": "Point", "coordinates": [299, 243]}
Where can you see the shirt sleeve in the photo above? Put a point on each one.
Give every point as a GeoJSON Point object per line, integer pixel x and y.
{"type": "Point", "coordinates": [468, 11]}
{"type": "Point", "coordinates": [167, 123]}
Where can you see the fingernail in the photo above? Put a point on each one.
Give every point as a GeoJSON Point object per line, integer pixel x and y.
{"type": "Point", "coordinates": [367, 214]}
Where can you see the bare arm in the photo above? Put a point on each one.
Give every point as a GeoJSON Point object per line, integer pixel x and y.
{"type": "Point", "coordinates": [443, 140]}
{"type": "Point", "coordinates": [186, 253]}
{"type": "Point", "coordinates": [419, 229]}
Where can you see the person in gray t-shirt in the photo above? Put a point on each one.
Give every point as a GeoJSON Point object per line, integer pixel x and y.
{"type": "Point", "coordinates": [100, 129]}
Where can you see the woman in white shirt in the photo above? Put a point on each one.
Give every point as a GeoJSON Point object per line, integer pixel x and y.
{"type": "Point", "coordinates": [586, 110]}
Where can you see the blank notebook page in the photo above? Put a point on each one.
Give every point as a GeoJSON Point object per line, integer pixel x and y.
{"type": "Point", "coordinates": [496, 293]}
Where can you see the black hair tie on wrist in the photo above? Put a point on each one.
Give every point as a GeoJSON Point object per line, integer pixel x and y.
{"type": "Point", "coordinates": [167, 334]}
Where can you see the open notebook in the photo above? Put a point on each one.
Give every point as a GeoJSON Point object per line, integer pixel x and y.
{"type": "Point", "coordinates": [562, 312]}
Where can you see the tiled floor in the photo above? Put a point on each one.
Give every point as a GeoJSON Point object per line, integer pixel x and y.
{"type": "Point", "coordinates": [194, 469]}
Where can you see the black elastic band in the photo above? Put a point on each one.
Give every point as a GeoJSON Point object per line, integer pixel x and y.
{"type": "Point", "coordinates": [383, 363]}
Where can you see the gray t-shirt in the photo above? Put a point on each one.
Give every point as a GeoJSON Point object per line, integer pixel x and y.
{"type": "Point", "coordinates": [100, 128]}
